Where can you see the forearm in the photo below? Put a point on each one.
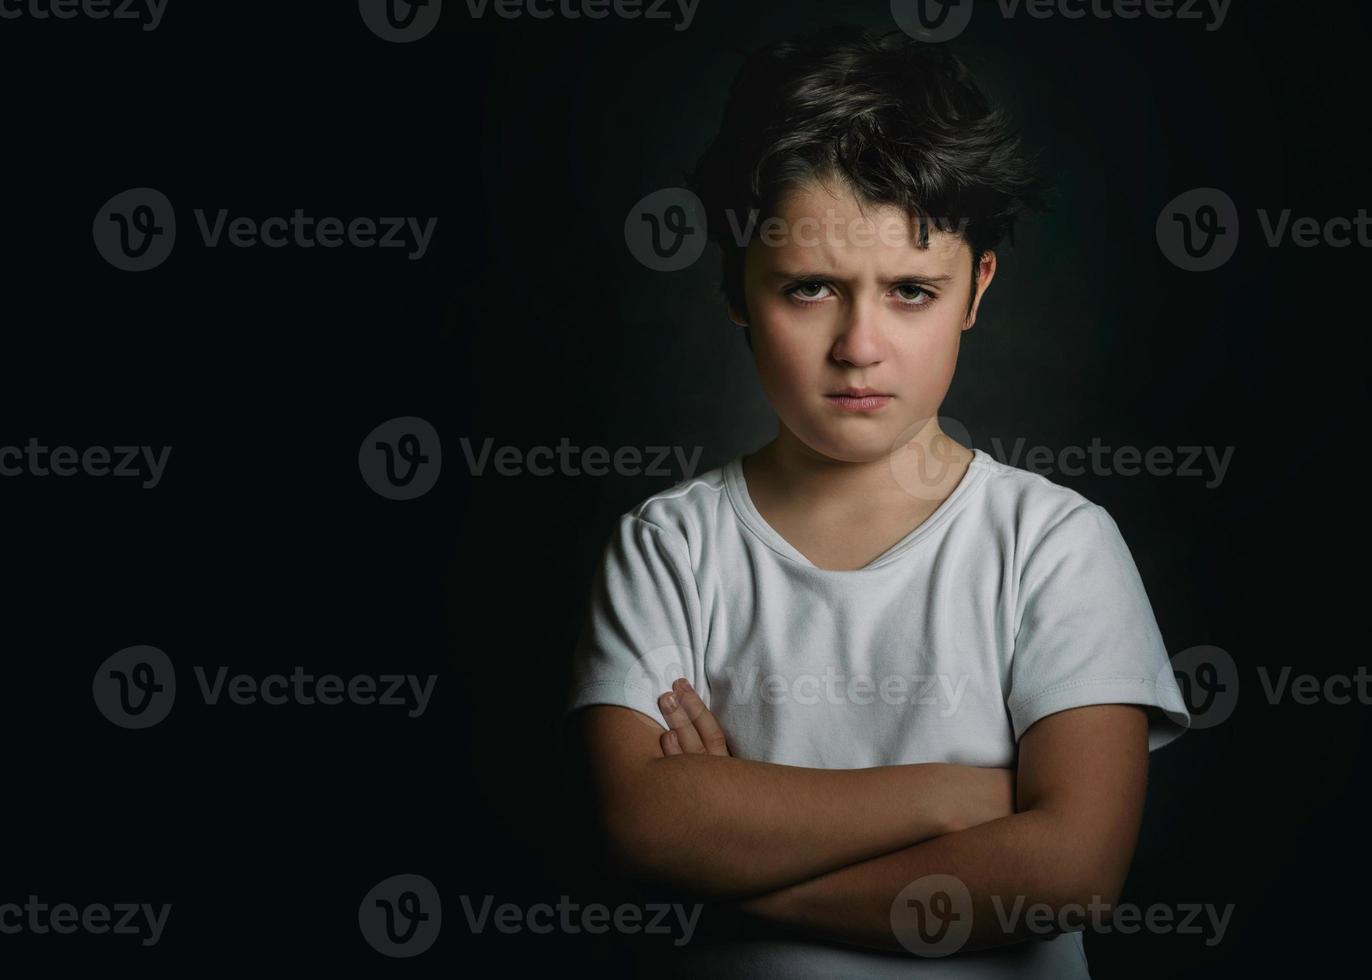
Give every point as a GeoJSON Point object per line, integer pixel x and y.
{"type": "Point", "coordinates": [725, 827]}
{"type": "Point", "coordinates": [1030, 859]}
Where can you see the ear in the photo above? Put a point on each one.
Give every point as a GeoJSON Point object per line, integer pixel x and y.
{"type": "Point", "coordinates": [737, 317]}
{"type": "Point", "coordinates": [986, 271]}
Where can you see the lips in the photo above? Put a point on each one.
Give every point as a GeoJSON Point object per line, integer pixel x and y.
{"type": "Point", "coordinates": [858, 393]}
{"type": "Point", "coordinates": [859, 399]}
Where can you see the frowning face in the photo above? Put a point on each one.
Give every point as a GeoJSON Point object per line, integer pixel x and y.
{"type": "Point", "coordinates": [855, 327]}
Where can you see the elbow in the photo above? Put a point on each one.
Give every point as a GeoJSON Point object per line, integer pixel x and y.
{"type": "Point", "coordinates": [636, 839]}
{"type": "Point", "coordinates": [1081, 864]}
{"type": "Point", "coordinates": [642, 844]}
{"type": "Point", "coordinates": [1082, 891]}
{"type": "Point", "coordinates": [627, 842]}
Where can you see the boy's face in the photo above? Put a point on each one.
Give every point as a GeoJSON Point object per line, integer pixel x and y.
{"type": "Point", "coordinates": [840, 298]}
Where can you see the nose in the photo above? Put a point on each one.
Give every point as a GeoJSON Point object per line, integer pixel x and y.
{"type": "Point", "coordinates": [860, 343]}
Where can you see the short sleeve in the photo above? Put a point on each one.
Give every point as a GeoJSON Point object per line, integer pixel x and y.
{"type": "Point", "coordinates": [1086, 632]}
{"type": "Point", "coordinates": [642, 629]}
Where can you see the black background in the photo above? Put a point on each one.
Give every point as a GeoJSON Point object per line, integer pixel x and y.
{"type": "Point", "coordinates": [527, 322]}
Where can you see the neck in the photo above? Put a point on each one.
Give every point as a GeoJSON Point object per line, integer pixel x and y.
{"type": "Point", "coordinates": [923, 470]}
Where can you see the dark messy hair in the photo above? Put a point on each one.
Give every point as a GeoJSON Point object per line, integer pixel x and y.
{"type": "Point", "coordinates": [901, 122]}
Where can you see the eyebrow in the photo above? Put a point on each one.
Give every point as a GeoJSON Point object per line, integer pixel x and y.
{"type": "Point", "coordinates": [801, 275]}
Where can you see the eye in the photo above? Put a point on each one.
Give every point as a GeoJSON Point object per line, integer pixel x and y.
{"type": "Point", "coordinates": [808, 292]}
{"type": "Point", "coordinates": [909, 294]}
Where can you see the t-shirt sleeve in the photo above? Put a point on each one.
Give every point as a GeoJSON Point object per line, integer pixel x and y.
{"type": "Point", "coordinates": [1086, 632]}
{"type": "Point", "coordinates": [642, 630]}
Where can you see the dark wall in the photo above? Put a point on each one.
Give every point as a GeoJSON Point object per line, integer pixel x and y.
{"type": "Point", "coordinates": [263, 548]}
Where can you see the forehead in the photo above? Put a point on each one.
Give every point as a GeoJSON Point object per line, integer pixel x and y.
{"type": "Point", "coordinates": [825, 222]}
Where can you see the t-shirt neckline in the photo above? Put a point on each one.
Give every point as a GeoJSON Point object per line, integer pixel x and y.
{"type": "Point", "coordinates": [737, 488]}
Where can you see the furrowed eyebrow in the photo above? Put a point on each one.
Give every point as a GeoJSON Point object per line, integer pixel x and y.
{"type": "Point", "coordinates": [802, 275]}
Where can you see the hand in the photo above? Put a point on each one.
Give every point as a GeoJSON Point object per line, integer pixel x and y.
{"type": "Point", "coordinates": [693, 727]}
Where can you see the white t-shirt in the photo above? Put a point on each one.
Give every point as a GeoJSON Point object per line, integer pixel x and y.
{"type": "Point", "coordinates": [1015, 599]}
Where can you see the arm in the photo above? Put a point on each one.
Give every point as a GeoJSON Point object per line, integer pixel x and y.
{"type": "Point", "coordinates": [1081, 781]}
{"type": "Point", "coordinates": [704, 821]}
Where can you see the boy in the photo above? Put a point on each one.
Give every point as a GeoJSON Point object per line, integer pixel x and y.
{"type": "Point", "coordinates": [869, 685]}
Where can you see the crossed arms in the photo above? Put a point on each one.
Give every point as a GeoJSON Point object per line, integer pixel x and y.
{"type": "Point", "coordinates": [827, 851]}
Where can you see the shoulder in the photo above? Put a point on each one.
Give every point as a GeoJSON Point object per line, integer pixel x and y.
{"type": "Point", "coordinates": [1030, 507]}
{"type": "Point", "coordinates": [684, 514]}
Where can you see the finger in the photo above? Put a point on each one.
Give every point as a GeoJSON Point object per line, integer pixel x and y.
{"type": "Point", "coordinates": [670, 745]}
{"type": "Point", "coordinates": [711, 735]}
{"type": "Point", "coordinates": [680, 722]}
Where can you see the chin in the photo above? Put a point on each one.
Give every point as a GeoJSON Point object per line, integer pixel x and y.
{"type": "Point", "coordinates": [842, 446]}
